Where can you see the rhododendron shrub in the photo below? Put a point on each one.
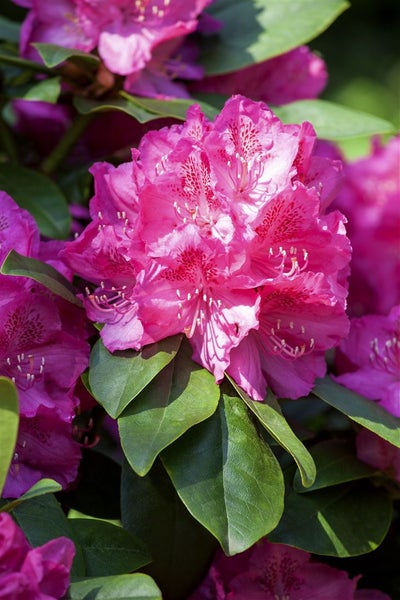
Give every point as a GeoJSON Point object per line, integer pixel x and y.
{"type": "Point", "coordinates": [184, 387]}
{"type": "Point", "coordinates": [27, 573]}
{"type": "Point", "coordinates": [215, 230]}
{"type": "Point", "coordinates": [43, 351]}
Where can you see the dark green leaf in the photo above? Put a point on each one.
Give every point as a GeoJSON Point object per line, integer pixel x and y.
{"type": "Point", "coordinates": [336, 462]}
{"type": "Point", "coordinates": [180, 547]}
{"type": "Point", "coordinates": [254, 30]}
{"type": "Point", "coordinates": [122, 587]}
{"type": "Point", "coordinates": [53, 55]}
{"type": "Point", "coordinates": [344, 520]}
{"type": "Point", "coordinates": [24, 266]}
{"type": "Point", "coordinates": [365, 412]}
{"type": "Point", "coordinates": [270, 416]}
{"type": "Point", "coordinates": [42, 519]}
{"type": "Point", "coordinates": [115, 379]}
{"type": "Point", "coordinates": [38, 194]}
{"type": "Point", "coordinates": [47, 90]}
{"type": "Point", "coordinates": [9, 30]}
{"type": "Point", "coordinates": [333, 121]}
{"type": "Point", "coordinates": [108, 549]}
{"type": "Point", "coordinates": [228, 477]}
{"type": "Point", "coordinates": [9, 419]}
{"type": "Point", "coordinates": [180, 396]}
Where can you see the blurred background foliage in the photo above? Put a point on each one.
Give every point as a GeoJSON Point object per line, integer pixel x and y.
{"type": "Point", "coordinates": [362, 52]}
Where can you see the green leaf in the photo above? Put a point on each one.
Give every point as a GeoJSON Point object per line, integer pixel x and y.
{"type": "Point", "coordinates": [24, 266]}
{"type": "Point", "coordinates": [9, 30]}
{"type": "Point", "coordinates": [180, 547]}
{"type": "Point", "coordinates": [270, 416]}
{"type": "Point", "coordinates": [42, 519]}
{"type": "Point", "coordinates": [108, 549]}
{"type": "Point", "coordinates": [9, 419]}
{"type": "Point", "coordinates": [344, 520]}
{"type": "Point", "coordinates": [361, 410]}
{"type": "Point", "coordinates": [44, 486]}
{"type": "Point", "coordinates": [53, 55]}
{"type": "Point", "coordinates": [142, 109]}
{"type": "Point", "coordinates": [180, 396]}
{"type": "Point", "coordinates": [336, 462]}
{"type": "Point", "coordinates": [47, 90]}
{"type": "Point", "coordinates": [38, 194]}
{"type": "Point", "coordinates": [333, 121]}
{"type": "Point", "coordinates": [255, 30]}
{"type": "Point", "coordinates": [228, 477]}
{"type": "Point", "coordinates": [115, 379]}
{"type": "Point", "coordinates": [122, 587]}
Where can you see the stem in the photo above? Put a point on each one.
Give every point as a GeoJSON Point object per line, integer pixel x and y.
{"type": "Point", "coordinates": [56, 157]}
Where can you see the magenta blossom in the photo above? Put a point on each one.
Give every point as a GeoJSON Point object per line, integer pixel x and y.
{"type": "Point", "coordinates": [277, 572]}
{"type": "Point", "coordinates": [27, 573]}
{"type": "Point", "coordinates": [378, 453]}
{"type": "Point", "coordinates": [368, 359]}
{"type": "Point", "coordinates": [296, 75]}
{"type": "Point", "coordinates": [138, 40]}
{"type": "Point", "coordinates": [370, 199]}
{"type": "Point", "coordinates": [43, 351]}
{"type": "Point", "coordinates": [215, 230]}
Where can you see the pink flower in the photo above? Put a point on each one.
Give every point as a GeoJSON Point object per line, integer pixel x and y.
{"type": "Point", "coordinates": [43, 351]}
{"type": "Point", "coordinates": [368, 359]}
{"type": "Point", "coordinates": [378, 453]}
{"type": "Point", "coordinates": [132, 38]}
{"type": "Point", "coordinates": [27, 573]}
{"type": "Point", "coordinates": [370, 199]}
{"type": "Point", "coordinates": [296, 75]}
{"type": "Point", "coordinates": [216, 231]}
{"type": "Point", "coordinates": [277, 572]}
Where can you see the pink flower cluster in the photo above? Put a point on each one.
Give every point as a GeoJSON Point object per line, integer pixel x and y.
{"type": "Point", "coordinates": [278, 572]}
{"type": "Point", "coordinates": [27, 573]}
{"type": "Point", "coordinates": [43, 351]}
{"type": "Point", "coordinates": [138, 39]}
{"type": "Point", "coordinates": [218, 230]}
{"type": "Point", "coordinates": [370, 199]}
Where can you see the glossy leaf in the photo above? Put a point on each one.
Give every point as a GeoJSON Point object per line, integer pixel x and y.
{"type": "Point", "coordinates": [270, 416]}
{"type": "Point", "coordinates": [38, 194]}
{"type": "Point", "coordinates": [344, 520]}
{"type": "Point", "coordinates": [136, 586]}
{"type": "Point", "coordinates": [42, 519]}
{"type": "Point", "coordinates": [254, 30]}
{"type": "Point", "coordinates": [24, 266]}
{"type": "Point", "coordinates": [361, 410]}
{"type": "Point", "coordinates": [336, 462]}
{"type": "Point", "coordinates": [115, 379]}
{"type": "Point", "coordinates": [107, 548]}
{"type": "Point", "coordinates": [40, 488]}
{"type": "Point", "coordinates": [180, 396]}
{"type": "Point", "coordinates": [333, 121]}
{"type": "Point", "coordinates": [228, 477]}
{"type": "Point", "coordinates": [180, 547]}
{"type": "Point", "coordinates": [53, 55]}
{"type": "Point", "coordinates": [9, 419]}
{"type": "Point", "coordinates": [143, 109]}
{"type": "Point", "coordinates": [47, 90]}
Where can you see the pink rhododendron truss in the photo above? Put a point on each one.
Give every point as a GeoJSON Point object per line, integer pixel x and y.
{"type": "Point", "coordinates": [216, 230]}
